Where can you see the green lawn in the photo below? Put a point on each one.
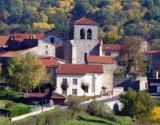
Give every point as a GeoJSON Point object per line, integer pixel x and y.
{"type": "Point", "coordinates": [39, 115]}
{"type": "Point", "coordinates": [94, 120]}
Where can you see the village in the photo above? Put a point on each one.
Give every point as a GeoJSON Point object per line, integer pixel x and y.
{"type": "Point", "coordinates": [81, 67]}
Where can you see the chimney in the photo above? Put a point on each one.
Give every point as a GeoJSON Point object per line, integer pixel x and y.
{"type": "Point", "coordinates": [85, 58]}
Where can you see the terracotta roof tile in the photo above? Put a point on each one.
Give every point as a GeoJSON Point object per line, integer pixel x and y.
{"type": "Point", "coordinates": [100, 59]}
{"type": "Point", "coordinates": [78, 69]}
{"type": "Point", "coordinates": [49, 62]}
{"type": "Point", "coordinates": [152, 51]}
{"type": "Point", "coordinates": [111, 47]}
{"type": "Point", "coordinates": [4, 40]}
{"type": "Point", "coordinates": [56, 95]}
{"type": "Point", "coordinates": [85, 21]}
{"type": "Point", "coordinates": [37, 94]}
{"type": "Point", "coordinates": [21, 36]}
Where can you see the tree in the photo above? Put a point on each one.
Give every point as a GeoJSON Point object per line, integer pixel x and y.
{"type": "Point", "coordinates": [85, 87]}
{"type": "Point", "coordinates": [131, 55]}
{"type": "Point", "coordinates": [16, 10]}
{"type": "Point", "coordinates": [61, 22]}
{"type": "Point", "coordinates": [25, 72]}
{"type": "Point", "coordinates": [137, 104]}
{"type": "Point", "coordinates": [64, 86]}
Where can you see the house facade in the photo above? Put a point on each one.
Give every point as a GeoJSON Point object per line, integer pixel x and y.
{"type": "Point", "coordinates": [74, 75]}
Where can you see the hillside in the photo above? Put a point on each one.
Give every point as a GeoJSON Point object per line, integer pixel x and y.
{"type": "Point", "coordinates": [116, 18]}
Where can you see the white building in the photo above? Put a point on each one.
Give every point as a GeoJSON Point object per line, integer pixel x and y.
{"type": "Point", "coordinates": [75, 74]}
{"type": "Point", "coordinates": [113, 50]}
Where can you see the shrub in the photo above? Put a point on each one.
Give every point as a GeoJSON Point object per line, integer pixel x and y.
{"type": "Point", "coordinates": [74, 106]}
{"type": "Point", "coordinates": [118, 73]}
{"type": "Point", "coordinates": [19, 111]}
{"type": "Point", "coordinates": [99, 109]}
{"type": "Point", "coordinates": [93, 108]}
{"type": "Point", "coordinates": [10, 105]}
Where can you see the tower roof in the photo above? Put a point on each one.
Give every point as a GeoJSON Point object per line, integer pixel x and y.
{"type": "Point", "coordinates": [85, 21]}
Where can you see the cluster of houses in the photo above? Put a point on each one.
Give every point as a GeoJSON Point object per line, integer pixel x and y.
{"type": "Point", "coordinates": [83, 59]}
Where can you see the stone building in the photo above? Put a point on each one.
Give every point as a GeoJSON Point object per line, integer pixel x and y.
{"type": "Point", "coordinates": [85, 41]}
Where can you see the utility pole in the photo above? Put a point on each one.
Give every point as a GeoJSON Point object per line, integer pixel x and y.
{"type": "Point", "coordinates": [94, 87]}
{"type": "Point", "coordinates": [42, 102]}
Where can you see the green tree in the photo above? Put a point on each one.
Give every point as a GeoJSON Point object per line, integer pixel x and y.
{"type": "Point", "coordinates": [61, 22]}
{"type": "Point", "coordinates": [16, 10]}
{"type": "Point", "coordinates": [25, 72]}
{"type": "Point", "coordinates": [131, 54]}
{"type": "Point", "coordinates": [138, 104]}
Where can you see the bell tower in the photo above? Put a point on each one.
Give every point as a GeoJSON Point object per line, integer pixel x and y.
{"type": "Point", "coordinates": [85, 29]}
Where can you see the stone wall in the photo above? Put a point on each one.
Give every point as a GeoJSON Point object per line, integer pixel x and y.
{"type": "Point", "coordinates": [80, 47]}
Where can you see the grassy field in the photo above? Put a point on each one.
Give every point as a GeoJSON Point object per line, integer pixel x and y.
{"type": "Point", "coordinates": [87, 119]}
{"type": "Point", "coordinates": [30, 117]}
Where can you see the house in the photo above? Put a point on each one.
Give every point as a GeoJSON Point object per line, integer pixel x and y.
{"type": "Point", "coordinates": [53, 38]}
{"type": "Point", "coordinates": [113, 50]}
{"type": "Point", "coordinates": [109, 66]}
{"type": "Point", "coordinates": [74, 75]}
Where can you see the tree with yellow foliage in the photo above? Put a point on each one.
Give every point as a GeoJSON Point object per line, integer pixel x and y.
{"type": "Point", "coordinates": [25, 72]}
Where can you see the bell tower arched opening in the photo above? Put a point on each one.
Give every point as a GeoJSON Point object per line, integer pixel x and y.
{"type": "Point", "coordinates": [89, 34]}
{"type": "Point", "coordinates": [82, 34]}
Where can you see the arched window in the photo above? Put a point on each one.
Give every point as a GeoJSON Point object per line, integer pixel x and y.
{"type": "Point", "coordinates": [82, 34]}
{"type": "Point", "coordinates": [89, 34]}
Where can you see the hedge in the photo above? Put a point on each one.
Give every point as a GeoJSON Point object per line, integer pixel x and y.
{"type": "Point", "coordinates": [16, 111]}
{"type": "Point", "coordinates": [19, 111]}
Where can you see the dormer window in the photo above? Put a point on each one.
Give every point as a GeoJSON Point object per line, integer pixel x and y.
{"type": "Point", "coordinates": [89, 34]}
{"type": "Point", "coordinates": [82, 34]}
{"type": "Point", "coordinates": [52, 40]}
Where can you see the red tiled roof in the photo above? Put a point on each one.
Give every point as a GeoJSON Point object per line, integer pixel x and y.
{"type": "Point", "coordinates": [21, 36]}
{"type": "Point", "coordinates": [59, 45]}
{"type": "Point", "coordinates": [56, 95]}
{"type": "Point", "coordinates": [78, 69]}
{"type": "Point", "coordinates": [111, 47]}
{"type": "Point", "coordinates": [85, 21]}
{"type": "Point", "coordinates": [49, 62]}
{"type": "Point", "coordinates": [10, 54]}
{"type": "Point", "coordinates": [37, 94]}
{"type": "Point", "coordinates": [152, 51]}
{"type": "Point", "coordinates": [3, 40]}
{"type": "Point", "coordinates": [100, 59]}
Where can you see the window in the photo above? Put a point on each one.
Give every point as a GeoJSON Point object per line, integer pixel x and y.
{"type": "Point", "coordinates": [46, 46]}
{"type": "Point", "coordinates": [74, 91]}
{"type": "Point", "coordinates": [108, 53]}
{"type": "Point", "coordinates": [82, 34]}
{"type": "Point", "coordinates": [52, 40]}
{"type": "Point", "coordinates": [89, 34]}
{"type": "Point", "coordinates": [75, 81]}
{"type": "Point", "coordinates": [46, 52]}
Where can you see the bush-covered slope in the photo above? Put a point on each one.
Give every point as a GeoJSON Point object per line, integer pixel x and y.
{"type": "Point", "coordinates": [116, 18]}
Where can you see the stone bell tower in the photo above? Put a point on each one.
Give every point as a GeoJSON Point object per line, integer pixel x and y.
{"type": "Point", "coordinates": [85, 40]}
